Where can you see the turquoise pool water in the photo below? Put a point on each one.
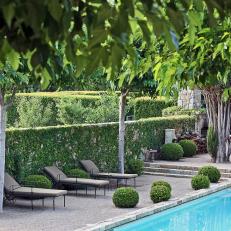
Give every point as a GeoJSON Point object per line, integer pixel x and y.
{"type": "Point", "coordinates": [210, 213]}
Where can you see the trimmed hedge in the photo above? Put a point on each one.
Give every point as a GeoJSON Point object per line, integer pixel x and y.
{"type": "Point", "coordinates": [125, 197]}
{"type": "Point", "coordinates": [200, 182]}
{"type": "Point", "coordinates": [161, 182]}
{"type": "Point", "coordinates": [145, 107]}
{"type": "Point", "coordinates": [211, 172]}
{"type": "Point", "coordinates": [177, 110]}
{"type": "Point", "coordinates": [48, 99]}
{"type": "Point", "coordinates": [189, 147]}
{"type": "Point", "coordinates": [135, 166]}
{"type": "Point", "coordinates": [29, 150]}
{"type": "Point", "coordinates": [171, 151]}
{"type": "Point", "coordinates": [160, 193]}
{"type": "Point", "coordinates": [37, 181]}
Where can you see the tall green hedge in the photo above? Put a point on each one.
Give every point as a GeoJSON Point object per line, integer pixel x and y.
{"type": "Point", "coordinates": [145, 107]}
{"type": "Point", "coordinates": [29, 150]}
{"type": "Point", "coordinates": [51, 99]}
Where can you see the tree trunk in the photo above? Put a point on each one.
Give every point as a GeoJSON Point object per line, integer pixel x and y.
{"type": "Point", "coordinates": [219, 117]}
{"type": "Point", "coordinates": [122, 105]}
{"type": "Point", "coordinates": [2, 151]}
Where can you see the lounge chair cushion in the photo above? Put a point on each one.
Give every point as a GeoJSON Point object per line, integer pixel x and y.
{"type": "Point", "coordinates": [89, 166]}
{"type": "Point", "coordinates": [81, 181]}
{"type": "Point", "coordinates": [37, 193]}
{"type": "Point", "coordinates": [115, 175]}
{"type": "Point", "coordinates": [94, 171]}
{"type": "Point", "coordinates": [55, 173]}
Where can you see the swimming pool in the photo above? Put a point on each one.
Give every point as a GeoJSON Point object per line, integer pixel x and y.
{"type": "Point", "coordinates": [210, 213]}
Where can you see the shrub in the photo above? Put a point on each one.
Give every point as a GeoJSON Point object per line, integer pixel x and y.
{"type": "Point", "coordinates": [212, 143]}
{"type": "Point", "coordinates": [135, 166]}
{"type": "Point", "coordinates": [145, 107]}
{"type": "Point", "coordinates": [160, 193]}
{"type": "Point", "coordinates": [33, 113]}
{"type": "Point", "coordinates": [211, 172]}
{"type": "Point", "coordinates": [189, 147]}
{"type": "Point", "coordinates": [200, 182]}
{"type": "Point", "coordinates": [125, 197]}
{"type": "Point", "coordinates": [106, 110]}
{"type": "Point", "coordinates": [79, 173]}
{"type": "Point", "coordinates": [162, 183]}
{"type": "Point", "coordinates": [38, 181]}
{"type": "Point", "coordinates": [71, 111]}
{"type": "Point", "coordinates": [177, 110]}
{"type": "Point", "coordinates": [172, 151]}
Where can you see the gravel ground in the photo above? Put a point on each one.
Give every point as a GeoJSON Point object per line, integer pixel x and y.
{"type": "Point", "coordinates": [80, 210]}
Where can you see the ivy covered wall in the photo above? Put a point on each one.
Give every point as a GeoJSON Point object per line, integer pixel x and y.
{"type": "Point", "coordinates": [29, 150]}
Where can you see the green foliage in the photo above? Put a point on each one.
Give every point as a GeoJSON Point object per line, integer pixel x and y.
{"type": "Point", "coordinates": [125, 197]}
{"type": "Point", "coordinates": [171, 151]}
{"type": "Point", "coordinates": [79, 173]}
{"type": "Point", "coordinates": [211, 172]}
{"type": "Point", "coordinates": [34, 148]}
{"type": "Point", "coordinates": [145, 107]}
{"type": "Point", "coordinates": [177, 110]}
{"type": "Point", "coordinates": [37, 181]}
{"type": "Point", "coordinates": [89, 42]}
{"type": "Point", "coordinates": [135, 166]}
{"type": "Point", "coordinates": [200, 182]}
{"type": "Point", "coordinates": [71, 112]}
{"type": "Point", "coordinates": [189, 147]}
{"type": "Point", "coordinates": [106, 110]}
{"type": "Point", "coordinates": [162, 183]}
{"type": "Point", "coordinates": [33, 113]}
{"type": "Point", "coordinates": [201, 62]}
{"type": "Point", "coordinates": [212, 142]}
{"type": "Point", "coordinates": [10, 77]}
{"type": "Point", "coordinates": [160, 193]}
{"type": "Point", "coordinates": [50, 100]}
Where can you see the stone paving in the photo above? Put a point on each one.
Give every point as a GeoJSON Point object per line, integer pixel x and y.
{"type": "Point", "coordinates": [80, 210]}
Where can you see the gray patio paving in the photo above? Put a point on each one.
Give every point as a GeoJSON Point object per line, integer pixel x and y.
{"type": "Point", "coordinates": [80, 210]}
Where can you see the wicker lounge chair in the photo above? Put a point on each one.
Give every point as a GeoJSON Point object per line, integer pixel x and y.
{"type": "Point", "coordinates": [13, 190]}
{"type": "Point", "coordinates": [91, 168]}
{"type": "Point", "coordinates": [61, 180]}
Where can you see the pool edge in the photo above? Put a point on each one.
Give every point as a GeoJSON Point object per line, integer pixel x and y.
{"type": "Point", "coordinates": [111, 223]}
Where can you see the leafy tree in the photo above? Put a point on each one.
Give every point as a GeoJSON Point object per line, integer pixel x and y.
{"type": "Point", "coordinates": [95, 33]}
{"type": "Point", "coordinates": [10, 82]}
{"type": "Point", "coordinates": [205, 64]}
{"type": "Point", "coordinates": [132, 77]}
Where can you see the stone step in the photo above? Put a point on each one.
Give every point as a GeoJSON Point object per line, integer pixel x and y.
{"type": "Point", "coordinates": [171, 171]}
{"type": "Point", "coordinates": [167, 174]}
{"type": "Point", "coordinates": [181, 167]}
{"type": "Point", "coordinates": [177, 172]}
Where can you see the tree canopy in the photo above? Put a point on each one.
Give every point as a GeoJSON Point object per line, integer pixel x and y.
{"type": "Point", "coordinates": [95, 33]}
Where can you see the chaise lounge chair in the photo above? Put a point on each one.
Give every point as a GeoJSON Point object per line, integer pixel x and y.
{"type": "Point", "coordinates": [61, 180]}
{"type": "Point", "coordinates": [91, 168]}
{"type": "Point", "coordinates": [13, 190]}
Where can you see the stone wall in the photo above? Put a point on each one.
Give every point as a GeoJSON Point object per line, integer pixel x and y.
{"type": "Point", "coordinates": [189, 99]}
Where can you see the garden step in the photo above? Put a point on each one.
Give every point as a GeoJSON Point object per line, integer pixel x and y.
{"type": "Point", "coordinates": [167, 174]}
{"type": "Point", "coordinates": [181, 167]}
{"type": "Point", "coordinates": [171, 171]}
{"type": "Point", "coordinates": [177, 172]}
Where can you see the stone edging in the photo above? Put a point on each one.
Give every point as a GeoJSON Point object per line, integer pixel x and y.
{"type": "Point", "coordinates": [109, 224]}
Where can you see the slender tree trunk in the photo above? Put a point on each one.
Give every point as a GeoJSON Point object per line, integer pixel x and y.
{"type": "Point", "coordinates": [2, 151]}
{"type": "Point", "coordinates": [219, 117]}
{"type": "Point", "coordinates": [122, 105]}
